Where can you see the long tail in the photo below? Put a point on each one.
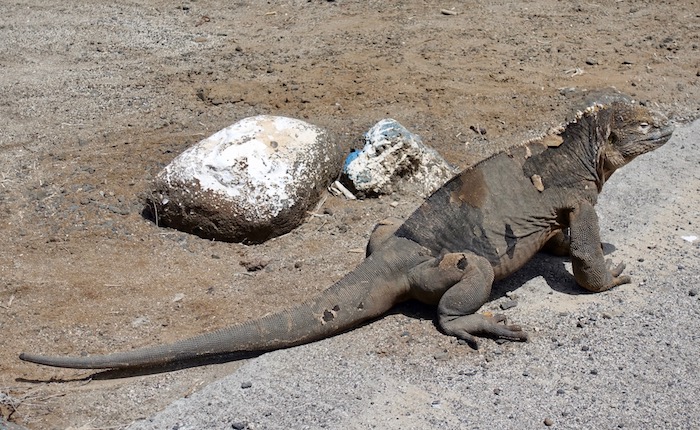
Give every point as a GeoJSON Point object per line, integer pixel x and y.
{"type": "Point", "coordinates": [367, 292]}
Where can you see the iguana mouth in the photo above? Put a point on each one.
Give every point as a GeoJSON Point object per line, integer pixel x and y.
{"type": "Point", "coordinates": [659, 136]}
{"type": "Point", "coordinates": [666, 132]}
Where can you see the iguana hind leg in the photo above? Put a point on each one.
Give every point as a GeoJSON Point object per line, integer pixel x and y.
{"type": "Point", "coordinates": [591, 270]}
{"type": "Point", "coordinates": [460, 283]}
{"type": "Point", "coordinates": [382, 231]}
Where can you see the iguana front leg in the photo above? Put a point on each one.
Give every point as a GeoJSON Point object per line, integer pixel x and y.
{"type": "Point", "coordinates": [461, 284]}
{"type": "Point", "coordinates": [591, 270]}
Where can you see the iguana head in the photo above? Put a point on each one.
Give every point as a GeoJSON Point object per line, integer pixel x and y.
{"type": "Point", "coordinates": [633, 130]}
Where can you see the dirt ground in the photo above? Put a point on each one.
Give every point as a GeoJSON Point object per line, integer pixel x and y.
{"type": "Point", "coordinates": [98, 96]}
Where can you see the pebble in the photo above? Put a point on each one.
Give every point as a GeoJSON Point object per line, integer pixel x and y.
{"type": "Point", "coordinates": [478, 130]}
{"type": "Point", "coordinates": [246, 384]}
{"type": "Point", "coordinates": [591, 61]}
{"type": "Point", "coordinates": [693, 292]}
{"type": "Point", "coordinates": [117, 210]}
{"type": "Point", "coordinates": [254, 264]}
{"type": "Point", "coordinates": [508, 304]}
{"type": "Point", "coordinates": [138, 322]}
{"type": "Point", "coordinates": [239, 425]}
{"type": "Point", "coordinates": [548, 422]}
{"type": "Point", "coordinates": [442, 356]}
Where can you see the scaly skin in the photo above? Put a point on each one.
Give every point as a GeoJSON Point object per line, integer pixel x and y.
{"type": "Point", "coordinates": [481, 226]}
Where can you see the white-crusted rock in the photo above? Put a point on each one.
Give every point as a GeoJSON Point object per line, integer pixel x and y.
{"type": "Point", "coordinates": [249, 182]}
{"type": "Point", "coordinates": [394, 159]}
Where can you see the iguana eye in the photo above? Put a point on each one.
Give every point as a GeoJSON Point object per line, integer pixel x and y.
{"type": "Point", "coordinates": [644, 127]}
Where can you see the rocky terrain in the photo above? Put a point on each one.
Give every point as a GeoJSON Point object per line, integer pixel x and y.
{"type": "Point", "coordinates": [98, 96]}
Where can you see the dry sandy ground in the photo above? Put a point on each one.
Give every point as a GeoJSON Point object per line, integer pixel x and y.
{"type": "Point", "coordinates": [98, 96]}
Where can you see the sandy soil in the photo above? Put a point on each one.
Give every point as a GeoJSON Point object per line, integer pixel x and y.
{"type": "Point", "coordinates": [98, 96]}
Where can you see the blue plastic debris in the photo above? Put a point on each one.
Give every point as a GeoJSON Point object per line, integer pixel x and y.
{"type": "Point", "coordinates": [349, 159]}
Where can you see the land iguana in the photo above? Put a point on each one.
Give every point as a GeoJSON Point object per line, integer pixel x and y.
{"type": "Point", "coordinates": [481, 226]}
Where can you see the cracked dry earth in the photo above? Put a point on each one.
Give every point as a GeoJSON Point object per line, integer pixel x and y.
{"type": "Point", "coordinates": [98, 96]}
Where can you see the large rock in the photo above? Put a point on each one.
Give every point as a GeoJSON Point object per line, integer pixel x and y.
{"type": "Point", "coordinates": [249, 182]}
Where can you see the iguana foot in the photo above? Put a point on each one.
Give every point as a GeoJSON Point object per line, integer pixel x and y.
{"type": "Point", "coordinates": [616, 272]}
{"type": "Point", "coordinates": [467, 327]}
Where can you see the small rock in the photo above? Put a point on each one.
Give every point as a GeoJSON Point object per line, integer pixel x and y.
{"type": "Point", "coordinates": [693, 292]}
{"type": "Point", "coordinates": [254, 264]}
{"type": "Point", "coordinates": [246, 384]}
{"type": "Point", "coordinates": [591, 61]}
{"type": "Point", "coordinates": [497, 391]}
{"type": "Point", "coordinates": [442, 356]}
{"type": "Point", "coordinates": [548, 422]}
{"type": "Point", "coordinates": [509, 304]}
{"type": "Point", "coordinates": [138, 322]}
{"type": "Point", "coordinates": [394, 159]}
{"type": "Point", "coordinates": [239, 425]}
{"type": "Point", "coordinates": [478, 130]}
